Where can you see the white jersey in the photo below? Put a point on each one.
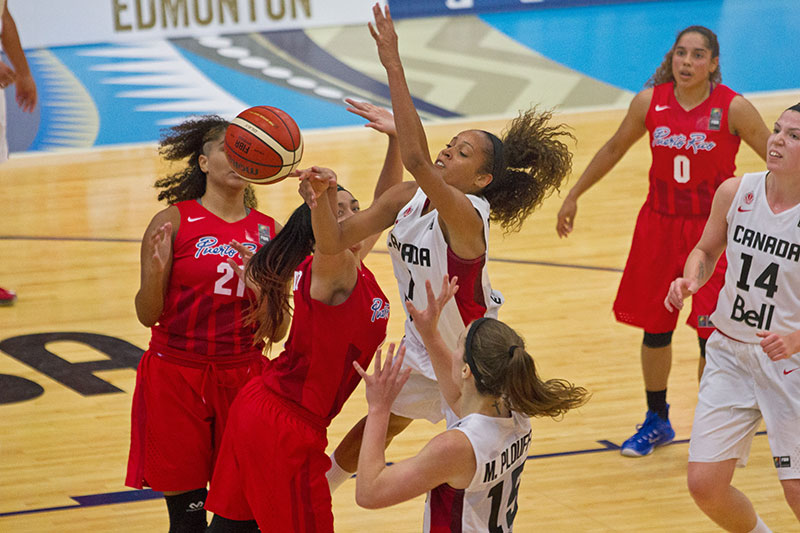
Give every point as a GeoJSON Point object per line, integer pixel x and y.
{"type": "Point", "coordinates": [762, 282]}
{"type": "Point", "coordinates": [489, 503]}
{"type": "Point", "coordinates": [419, 253]}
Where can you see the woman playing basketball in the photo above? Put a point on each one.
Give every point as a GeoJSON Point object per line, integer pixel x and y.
{"type": "Point", "coordinates": [471, 471]}
{"type": "Point", "coordinates": [695, 125]}
{"type": "Point", "coordinates": [441, 225]}
{"type": "Point", "coordinates": [271, 467]}
{"type": "Point", "coordinates": [753, 368]}
{"type": "Point", "coordinates": [200, 351]}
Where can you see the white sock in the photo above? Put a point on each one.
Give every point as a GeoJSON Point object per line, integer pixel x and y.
{"type": "Point", "coordinates": [761, 527]}
{"type": "Point", "coordinates": [336, 475]}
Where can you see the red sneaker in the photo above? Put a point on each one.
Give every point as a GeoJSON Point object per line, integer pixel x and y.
{"type": "Point", "coordinates": [7, 297]}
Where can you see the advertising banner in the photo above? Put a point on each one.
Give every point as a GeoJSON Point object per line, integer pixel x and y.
{"type": "Point", "coordinates": [47, 23]}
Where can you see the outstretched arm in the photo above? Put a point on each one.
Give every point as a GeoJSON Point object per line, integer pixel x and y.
{"type": "Point", "coordinates": [630, 130]}
{"type": "Point", "coordinates": [380, 120]}
{"type": "Point", "coordinates": [464, 225]}
{"type": "Point", "coordinates": [442, 358]}
{"type": "Point", "coordinates": [334, 238]}
{"type": "Point", "coordinates": [333, 274]}
{"type": "Point", "coordinates": [447, 458]}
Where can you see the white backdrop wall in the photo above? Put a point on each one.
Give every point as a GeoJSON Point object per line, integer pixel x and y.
{"type": "Point", "coordinates": [46, 23]}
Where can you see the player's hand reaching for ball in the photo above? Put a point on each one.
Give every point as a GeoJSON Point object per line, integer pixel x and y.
{"type": "Point", "coordinates": [385, 36]}
{"type": "Point", "coordinates": [314, 181]}
{"type": "Point", "coordinates": [380, 119]}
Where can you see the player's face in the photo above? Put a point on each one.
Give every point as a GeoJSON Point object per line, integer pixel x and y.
{"type": "Point", "coordinates": [214, 163]}
{"type": "Point", "coordinates": [463, 159]}
{"type": "Point", "coordinates": [692, 63]}
{"type": "Point", "coordinates": [783, 146]}
{"type": "Point", "coordinates": [347, 206]}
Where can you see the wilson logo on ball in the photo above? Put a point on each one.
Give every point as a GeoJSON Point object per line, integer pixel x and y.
{"type": "Point", "coordinates": [263, 144]}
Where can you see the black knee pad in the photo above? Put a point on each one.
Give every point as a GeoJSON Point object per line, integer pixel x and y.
{"type": "Point", "coordinates": [657, 340]}
{"type": "Point", "coordinates": [187, 512]}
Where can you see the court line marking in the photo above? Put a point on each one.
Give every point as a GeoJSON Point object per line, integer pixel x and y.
{"type": "Point", "coordinates": [384, 252]}
{"type": "Point", "coordinates": [126, 496]}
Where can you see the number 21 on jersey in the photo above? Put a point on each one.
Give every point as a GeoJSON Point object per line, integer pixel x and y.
{"type": "Point", "coordinates": [224, 284]}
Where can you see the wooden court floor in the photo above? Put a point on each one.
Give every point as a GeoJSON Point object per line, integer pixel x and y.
{"type": "Point", "coordinates": [69, 244]}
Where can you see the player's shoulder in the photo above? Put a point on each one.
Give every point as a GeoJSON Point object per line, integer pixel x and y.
{"type": "Point", "coordinates": [168, 214]}
{"type": "Point", "coordinates": [727, 189]}
{"type": "Point", "coordinates": [641, 104]}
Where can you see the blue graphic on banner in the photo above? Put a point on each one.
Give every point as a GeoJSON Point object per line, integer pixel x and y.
{"type": "Point", "coordinates": [307, 111]}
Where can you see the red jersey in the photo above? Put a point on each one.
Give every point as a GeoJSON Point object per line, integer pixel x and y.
{"type": "Point", "coordinates": [206, 301]}
{"type": "Point", "coordinates": [315, 370]}
{"type": "Point", "coordinates": [693, 151]}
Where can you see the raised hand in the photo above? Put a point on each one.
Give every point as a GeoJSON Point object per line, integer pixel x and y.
{"type": "Point", "coordinates": [385, 36]}
{"type": "Point", "coordinates": [385, 382]}
{"type": "Point", "coordinates": [379, 118]}
{"type": "Point", "coordinates": [314, 181]}
{"type": "Point", "coordinates": [160, 248]}
{"type": "Point", "coordinates": [427, 320]}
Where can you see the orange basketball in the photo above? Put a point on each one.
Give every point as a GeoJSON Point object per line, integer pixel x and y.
{"type": "Point", "coordinates": [263, 144]}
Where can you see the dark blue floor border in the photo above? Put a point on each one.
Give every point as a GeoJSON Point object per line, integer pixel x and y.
{"type": "Point", "coordinates": [126, 496]}
{"type": "Point", "coordinates": [121, 240]}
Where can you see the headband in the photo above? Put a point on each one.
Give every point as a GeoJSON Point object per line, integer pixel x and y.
{"type": "Point", "coordinates": [468, 350]}
{"type": "Point", "coordinates": [795, 107]}
{"type": "Point", "coordinates": [498, 159]}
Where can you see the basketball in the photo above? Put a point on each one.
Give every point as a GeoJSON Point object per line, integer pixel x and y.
{"type": "Point", "coordinates": [263, 144]}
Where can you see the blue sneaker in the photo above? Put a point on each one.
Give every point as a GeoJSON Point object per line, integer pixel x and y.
{"type": "Point", "coordinates": [654, 432]}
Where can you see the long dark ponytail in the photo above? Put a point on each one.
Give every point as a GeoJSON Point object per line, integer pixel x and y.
{"type": "Point", "coordinates": [272, 268]}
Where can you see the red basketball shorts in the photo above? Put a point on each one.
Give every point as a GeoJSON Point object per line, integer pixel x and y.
{"type": "Point", "coordinates": [180, 407]}
{"type": "Point", "coordinates": [661, 244]}
{"type": "Point", "coordinates": [272, 466]}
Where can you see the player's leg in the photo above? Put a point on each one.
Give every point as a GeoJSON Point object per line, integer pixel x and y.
{"type": "Point", "coordinates": [186, 509]}
{"type": "Point", "coordinates": [778, 396]}
{"type": "Point", "coordinates": [710, 487]}
{"type": "Point", "coordinates": [171, 439]}
{"type": "Point", "coordinates": [791, 490]}
{"type": "Point", "coordinates": [652, 264]}
{"type": "Point", "coordinates": [726, 419]}
{"type": "Point", "coordinates": [656, 356]}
